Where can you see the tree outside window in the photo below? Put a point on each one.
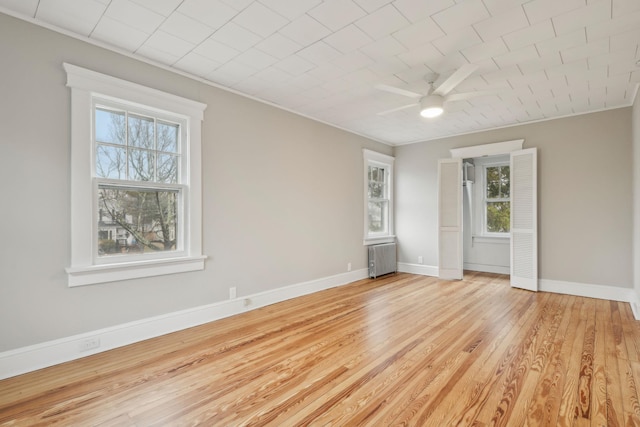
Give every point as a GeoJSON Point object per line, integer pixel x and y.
{"type": "Point", "coordinates": [497, 199]}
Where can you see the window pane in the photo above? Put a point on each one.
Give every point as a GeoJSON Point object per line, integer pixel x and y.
{"type": "Point", "coordinates": [110, 127]}
{"type": "Point", "coordinates": [498, 217]}
{"type": "Point", "coordinates": [141, 165]}
{"type": "Point", "coordinates": [493, 182]}
{"type": "Point", "coordinates": [376, 190]}
{"type": "Point", "coordinates": [137, 221]}
{"type": "Point", "coordinates": [141, 132]}
{"type": "Point", "coordinates": [168, 137]}
{"type": "Point", "coordinates": [167, 168]}
{"type": "Point", "coordinates": [505, 181]}
{"type": "Point", "coordinates": [110, 162]}
{"type": "Point", "coordinates": [378, 214]}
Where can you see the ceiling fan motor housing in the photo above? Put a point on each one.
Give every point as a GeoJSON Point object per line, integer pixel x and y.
{"type": "Point", "coordinates": [431, 106]}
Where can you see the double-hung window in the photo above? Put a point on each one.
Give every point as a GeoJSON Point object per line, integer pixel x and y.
{"type": "Point", "coordinates": [135, 177]}
{"type": "Point", "coordinates": [378, 209]}
{"type": "Point", "coordinates": [497, 202]}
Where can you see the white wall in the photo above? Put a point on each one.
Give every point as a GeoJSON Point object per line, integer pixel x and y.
{"type": "Point", "coordinates": [585, 195]}
{"type": "Point", "coordinates": [282, 196]}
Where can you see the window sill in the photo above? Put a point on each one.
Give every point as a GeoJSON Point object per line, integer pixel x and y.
{"type": "Point", "coordinates": [377, 240]}
{"type": "Point", "coordinates": [89, 275]}
{"type": "Point", "coordinates": [499, 240]}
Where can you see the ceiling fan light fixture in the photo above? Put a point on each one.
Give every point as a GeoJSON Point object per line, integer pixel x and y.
{"type": "Point", "coordinates": [431, 106]}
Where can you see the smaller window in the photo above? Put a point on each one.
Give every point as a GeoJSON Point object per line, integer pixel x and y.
{"type": "Point", "coordinates": [378, 198]}
{"type": "Point", "coordinates": [497, 202]}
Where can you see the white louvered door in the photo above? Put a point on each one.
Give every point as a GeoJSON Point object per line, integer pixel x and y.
{"type": "Point", "coordinates": [450, 219]}
{"type": "Point", "coordinates": [524, 219]}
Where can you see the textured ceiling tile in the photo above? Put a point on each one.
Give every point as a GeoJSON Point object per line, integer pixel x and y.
{"type": "Point", "coordinates": [485, 50]}
{"type": "Point", "coordinates": [626, 40]}
{"type": "Point", "coordinates": [163, 7]}
{"type": "Point", "coordinates": [386, 47]}
{"type": "Point", "coordinates": [352, 61]}
{"type": "Point", "coordinates": [382, 22]}
{"type": "Point", "coordinates": [336, 14]}
{"type": "Point", "coordinates": [624, 7]}
{"type": "Point", "coordinates": [461, 15]}
{"type": "Point", "coordinates": [168, 43]}
{"type": "Point", "coordinates": [458, 40]}
{"type": "Point", "coordinates": [186, 28]}
{"type": "Point", "coordinates": [216, 51]}
{"type": "Point", "coordinates": [237, 4]}
{"type": "Point", "coordinates": [617, 25]}
{"type": "Point", "coordinates": [196, 64]}
{"type": "Point", "coordinates": [278, 46]}
{"type": "Point", "coordinates": [372, 5]}
{"type": "Point", "coordinates": [579, 18]}
{"type": "Point", "coordinates": [235, 36]}
{"type": "Point", "coordinates": [295, 65]}
{"type": "Point", "coordinates": [530, 35]}
{"type": "Point", "coordinates": [80, 17]}
{"type": "Point", "coordinates": [419, 33]}
{"type": "Point", "coordinates": [547, 61]}
{"type": "Point", "coordinates": [305, 30]}
{"type": "Point", "coordinates": [134, 15]}
{"type": "Point", "coordinates": [118, 34]}
{"type": "Point", "coordinates": [24, 7]}
{"type": "Point", "coordinates": [421, 55]}
{"type": "Point", "coordinates": [157, 54]}
{"type": "Point", "coordinates": [418, 10]}
{"type": "Point", "coordinates": [291, 9]}
{"type": "Point", "coordinates": [212, 13]}
{"type": "Point", "coordinates": [547, 47]}
{"type": "Point", "coordinates": [348, 39]}
{"type": "Point", "coordinates": [260, 20]}
{"type": "Point", "coordinates": [496, 7]}
{"type": "Point", "coordinates": [509, 59]}
{"type": "Point", "coordinates": [598, 47]}
{"type": "Point", "coordinates": [503, 23]}
{"type": "Point", "coordinates": [539, 10]}
{"type": "Point", "coordinates": [256, 58]}
{"type": "Point", "coordinates": [319, 53]}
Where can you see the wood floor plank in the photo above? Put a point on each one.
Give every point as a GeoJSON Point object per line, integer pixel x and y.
{"type": "Point", "coordinates": [399, 350]}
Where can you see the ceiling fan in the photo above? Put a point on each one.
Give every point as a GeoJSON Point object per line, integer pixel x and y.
{"type": "Point", "coordinates": [432, 103]}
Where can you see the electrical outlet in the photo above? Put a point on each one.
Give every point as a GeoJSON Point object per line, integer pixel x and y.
{"type": "Point", "coordinates": [89, 344]}
{"type": "Point", "coordinates": [348, 266]}
{"type": "Point", "coordinates": [233, 292]}
{"type": "Point", "coordinates": [420, 260]}
{"type": "Point", "coordinates": [247, 302]}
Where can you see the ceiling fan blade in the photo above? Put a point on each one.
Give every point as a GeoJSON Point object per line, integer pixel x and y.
{"type": "Point", "coordinates": [398, 91]}
{"type": "Point", "coordinates": [455, 79]}
{"type": "Point", "coordinates": [467, 95]}
{"type": "Point", "coordinates": [393, 110]}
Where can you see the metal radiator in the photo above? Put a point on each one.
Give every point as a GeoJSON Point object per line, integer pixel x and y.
{"type": "Point", "coordinates": [382, 259]}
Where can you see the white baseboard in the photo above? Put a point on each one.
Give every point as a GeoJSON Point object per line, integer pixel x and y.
{"type": "Point", "coordinates": [587, 290]}
{"type": "Point", "coordinates": [425, 270]}
{"type": "Point", "coordinates": [497, 269]}
{"type": "Point", "coordinates": [38, 356]}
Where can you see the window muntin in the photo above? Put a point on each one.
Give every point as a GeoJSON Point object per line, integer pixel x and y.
{"type": "Point", "coordinates": [497, 202]}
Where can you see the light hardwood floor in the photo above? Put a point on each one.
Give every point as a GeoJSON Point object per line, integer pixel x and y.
{"type": "Point", "coordinates": [399, 350]}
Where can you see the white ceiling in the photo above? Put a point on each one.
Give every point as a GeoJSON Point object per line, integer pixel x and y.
{"type": "Point", "coordinates": [540, 59]}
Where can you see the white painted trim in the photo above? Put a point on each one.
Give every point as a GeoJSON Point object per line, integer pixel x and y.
{"type": "Point", "coordinates": [498, 269]}
{"type": "Point", "coordinates": [613, 293]}
{"type": "Point", "coordinates": [493, 149]}
{"type": "Point", "coordinates": [86, 87]}
{"type": "Point", "coordinates": [424, 270]}
{"type": "Point", "coordinates": [38, 356]}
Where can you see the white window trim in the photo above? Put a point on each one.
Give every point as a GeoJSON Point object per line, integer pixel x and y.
{"type": "Point", "coordinates": [375, 158]}
{"type": "Point", "coordinates": [85, 86]}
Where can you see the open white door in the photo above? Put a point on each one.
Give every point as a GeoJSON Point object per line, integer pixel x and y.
{"type": "Point", "coordinates": [524, 219]}
{"type": "Point", "coordinates": [450, 219]}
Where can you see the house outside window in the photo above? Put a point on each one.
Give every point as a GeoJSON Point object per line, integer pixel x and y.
{"type": "Point", "coordinates": [135, 180]}
{"type": "Point", "coordinates": [378, 179]}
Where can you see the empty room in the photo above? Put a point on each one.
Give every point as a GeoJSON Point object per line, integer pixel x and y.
{"type": "Point", "coordinates": [320, 212]}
